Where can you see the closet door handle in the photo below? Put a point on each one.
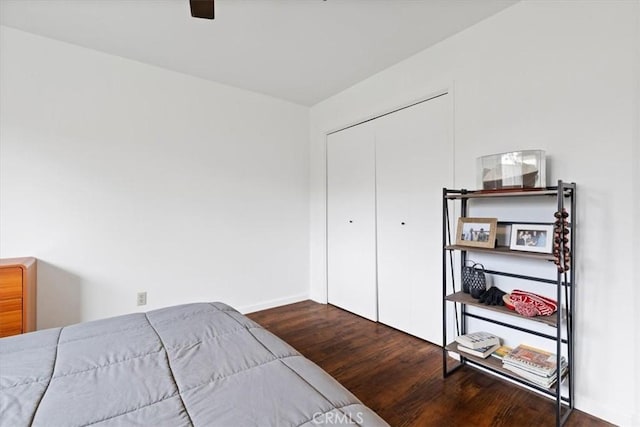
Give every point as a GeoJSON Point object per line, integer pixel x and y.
{"type": "Point", "coordinates": [402, 223]}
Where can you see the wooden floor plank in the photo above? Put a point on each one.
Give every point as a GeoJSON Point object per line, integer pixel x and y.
{"type": "Point", "coordinates": [400, 376]}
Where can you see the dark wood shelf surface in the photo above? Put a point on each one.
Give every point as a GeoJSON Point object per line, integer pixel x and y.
{"type": "Point", "coordinates": [463, 298]}
{"type": "Point", "coordinates": [530, 192]}
{"type": "Point", "coordinates": [502, 250]}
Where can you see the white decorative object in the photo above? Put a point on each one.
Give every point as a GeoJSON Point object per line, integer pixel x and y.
{"type": "Point", "coordinates": [516, 169]}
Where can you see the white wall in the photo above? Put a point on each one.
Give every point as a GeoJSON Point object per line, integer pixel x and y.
{"type": "Point", "coordinates": [561, 76]}
{"type": "Point", "coordinates": [121, 177]}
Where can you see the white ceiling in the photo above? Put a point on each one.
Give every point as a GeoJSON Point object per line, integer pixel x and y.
{"type": "Point", "coordinates": [303, 51]}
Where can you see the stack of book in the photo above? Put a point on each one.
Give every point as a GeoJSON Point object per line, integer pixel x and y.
{"type": "Point", "coordinates": [501, 352]}
{"type": "Point", "coordinates": [479, 344]}
{"type": "Point", "coordinates": [535, 365]}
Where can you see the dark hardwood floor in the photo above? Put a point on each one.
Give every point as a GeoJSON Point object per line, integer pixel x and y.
{"type": "Point", "coordinates": [400, 376]}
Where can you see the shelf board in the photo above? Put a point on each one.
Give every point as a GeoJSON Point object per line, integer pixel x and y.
{"type": "Point", "coordinates": [532, 192]}
{"type": "Point", "coordinates": [496, 365]}
{"type": "Point", "coordinates": [463, 298]}
{"type": "Point", "coordinates": [502, 250]}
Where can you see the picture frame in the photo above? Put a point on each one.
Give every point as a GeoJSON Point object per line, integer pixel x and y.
{"type": "Point", "coordinates": [532, 238]}
{"type": "Point", "coordinates": [477, 232]}
{"type": "Point", "coordinates": [503, 235]}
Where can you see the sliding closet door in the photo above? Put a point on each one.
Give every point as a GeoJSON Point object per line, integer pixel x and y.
{"type": "Point", "coordinates": [351, 221]}
{"type": "Point", "coordinates": [414, 154]}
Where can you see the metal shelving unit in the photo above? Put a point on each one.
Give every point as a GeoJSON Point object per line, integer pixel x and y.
{"type": "Point", "coordinates": [560, 324]}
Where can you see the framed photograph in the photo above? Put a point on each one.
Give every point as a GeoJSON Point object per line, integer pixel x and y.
{"type": "Point", "coordinates": [477, 232]}
{"type": "Point", "coordinates": [503, 235]}
{"type": "Point", "coordinates": [532, 238]}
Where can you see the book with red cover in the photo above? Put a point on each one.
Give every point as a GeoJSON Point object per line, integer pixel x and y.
{"type": "Point", "coordinates": [532, 359]}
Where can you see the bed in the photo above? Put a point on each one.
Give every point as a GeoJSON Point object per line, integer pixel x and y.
{"type": "Point", "coordinates": [199, 364]}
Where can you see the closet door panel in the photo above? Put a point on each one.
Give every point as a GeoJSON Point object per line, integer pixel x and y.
{"type": "Point", "coordinates": [351, 226]}
{"type": "Point", "coordinates": [414, 154]}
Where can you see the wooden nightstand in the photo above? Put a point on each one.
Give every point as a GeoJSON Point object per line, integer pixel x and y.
{"type": "Point", "coordinates": [17, 296]}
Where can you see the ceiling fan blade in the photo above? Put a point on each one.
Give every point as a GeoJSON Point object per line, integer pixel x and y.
{"type": "Point", "coordinates": [202, 8]}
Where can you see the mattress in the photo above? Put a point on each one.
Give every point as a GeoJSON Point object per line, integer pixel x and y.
{"type": "Point", "coordinates": [196, 364]}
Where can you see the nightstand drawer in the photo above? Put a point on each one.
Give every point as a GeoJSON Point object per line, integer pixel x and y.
{"type": "Point", "coordinates": [17, 295]}
{"type": "Point", "coordinates": [10, 283]}
{"type": "Point", "coordinates": [10, 317]}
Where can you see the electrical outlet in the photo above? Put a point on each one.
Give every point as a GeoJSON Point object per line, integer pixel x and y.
{"type": "Point", "coordinates": [142, 298]}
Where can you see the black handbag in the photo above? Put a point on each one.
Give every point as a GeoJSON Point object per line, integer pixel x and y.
{"type": "Point", "coordinates": [474, 281]}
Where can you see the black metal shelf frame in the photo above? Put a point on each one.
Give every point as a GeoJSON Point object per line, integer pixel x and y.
{"type": "Point", "coordinates": [518, 379]}
{"type": "Point", "coordinates": [517, 328]}
{"type": "Point", "coordinates": [525, 277]}
{"type": "Point", "coordinates": [565, 283]}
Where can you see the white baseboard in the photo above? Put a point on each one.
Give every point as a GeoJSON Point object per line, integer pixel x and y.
{"type": "Point", "coordinates": [272, 303]}
{"type": "Point", "coordinates": [320, 297]}
{"type": "Point", "coordinates": [318, 300]}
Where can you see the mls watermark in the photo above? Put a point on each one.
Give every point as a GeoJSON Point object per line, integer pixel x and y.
{"type": "Point", "coordinates": [337, 418]}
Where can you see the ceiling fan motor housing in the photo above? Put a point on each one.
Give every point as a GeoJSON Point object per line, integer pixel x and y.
{"type": "Point", "coordinates": [202, 9]}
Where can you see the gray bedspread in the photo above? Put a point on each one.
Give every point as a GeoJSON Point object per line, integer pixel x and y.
{"type": "Point", "coordinates": [195, 364]}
